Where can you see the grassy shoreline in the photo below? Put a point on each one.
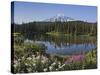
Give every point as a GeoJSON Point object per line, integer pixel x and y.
{"type": "Point", "coordinates": [57, 33]}
{"type": "Point", "coordinates": [16, 34]}
{"type": "Point", "coordinates": [65, 34]}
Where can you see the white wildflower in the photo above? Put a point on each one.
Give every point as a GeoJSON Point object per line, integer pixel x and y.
{"type": "Point", "coordinates": [43, 61]}
{"type": "Point", "coordinates": [34, 64]}
{"type": "Point", "coordinates": [15, 65]}
{"type": "Point", "coordinates": [29, 69]}
{"type": "Point", "coordinates": [53, 64]}
{"type": "Point", "coordinates": [37, 53]}
{"type": "Point", "coordinates": [62, 66]}
{"type": "Point", "coordinates": [59, 63]}
{"type": "Point", "coordinates": [23, 57]}
{"type": "Point", "coordinates": [19, 59]}
{"type": "Point", "coordinates": [26, 64]}
{"type": "Point", "coordinates": [50, 68]}
{"type": "Point", "coordinates": [45, 69]}
{"type": "Point", "coordinates": [44, 58]}
{"type": "Point", "coordinates": [29, 58]}
{"type": "Point", "coordinates": [33, 56]}
{"type": "Point", "coordinates": [38, 57]}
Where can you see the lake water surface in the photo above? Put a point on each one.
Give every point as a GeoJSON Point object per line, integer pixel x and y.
{"type": "Point", "coordinates": [65, 45]}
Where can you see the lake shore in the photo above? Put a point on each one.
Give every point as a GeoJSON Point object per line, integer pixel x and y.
{"type": "Point", "coordinates": [65, 34]}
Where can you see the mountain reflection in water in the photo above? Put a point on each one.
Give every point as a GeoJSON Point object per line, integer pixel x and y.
{"type": "Point", "coordinates": [65, 45]}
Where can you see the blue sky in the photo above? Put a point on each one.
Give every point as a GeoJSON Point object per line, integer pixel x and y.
{"type": "Point", "coordinates": [30, 11]}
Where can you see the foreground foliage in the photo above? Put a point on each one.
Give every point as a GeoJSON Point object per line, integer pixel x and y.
{"type": "Point", "coordinates": [31, 57]}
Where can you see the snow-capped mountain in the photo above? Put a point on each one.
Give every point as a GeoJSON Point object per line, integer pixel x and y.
{"type": "Point", "coordinates": [60, 18]}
